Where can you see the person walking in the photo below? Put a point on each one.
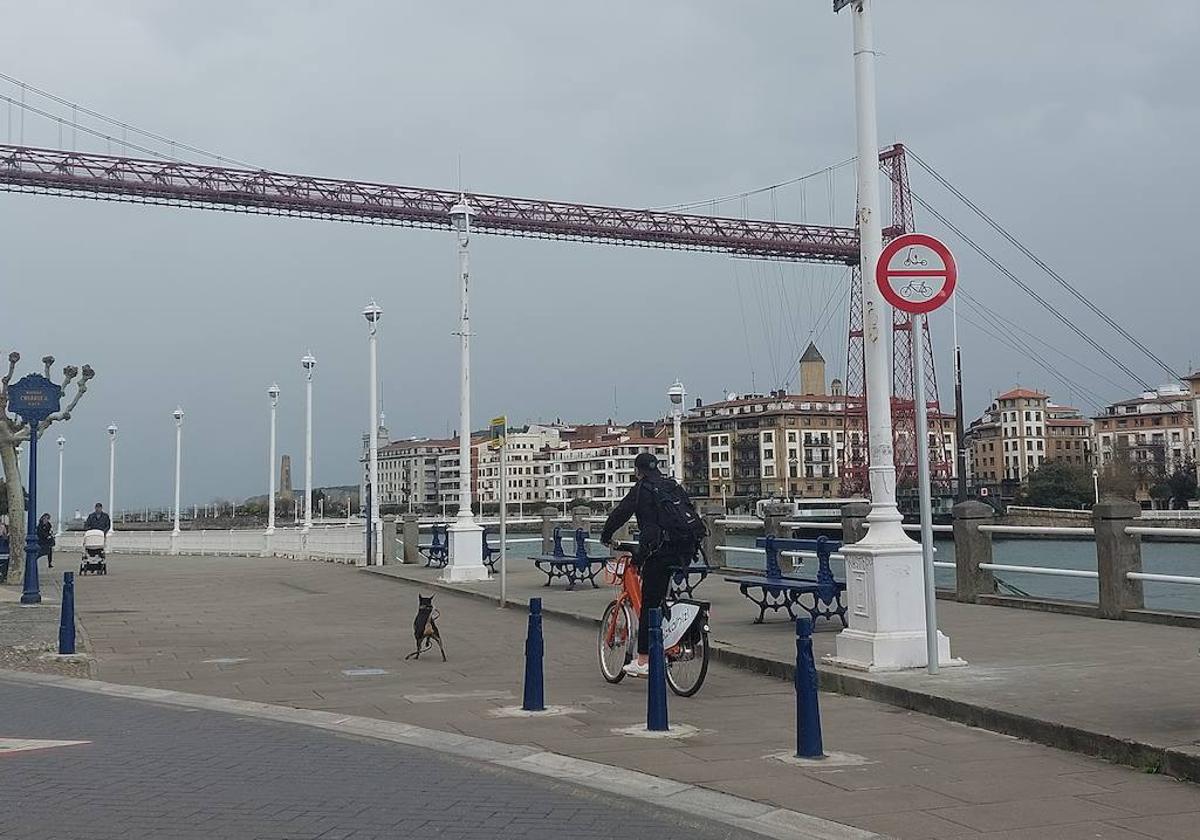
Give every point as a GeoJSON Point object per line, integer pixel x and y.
{"type": "Point", "coordinates": [98, 520]}
{"type": "Point", "coordinates": [45, 538]}
{"type": "Point", "coordinates": [669, 532]}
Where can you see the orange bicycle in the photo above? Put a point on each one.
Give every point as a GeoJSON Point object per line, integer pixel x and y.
{"type": "Point", "coordinates": [685, 630]}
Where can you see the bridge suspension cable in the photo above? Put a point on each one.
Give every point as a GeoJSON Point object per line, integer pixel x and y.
{"type": "Point", "coordinates": [1040, 263]}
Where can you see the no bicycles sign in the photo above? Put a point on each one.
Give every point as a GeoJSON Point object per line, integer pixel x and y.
{"type": "Point", "coordinates": [916, 273]}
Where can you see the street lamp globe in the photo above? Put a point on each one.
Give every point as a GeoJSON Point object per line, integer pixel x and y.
{"type": "Point", "coordinates": [676, 393]}
{"type": "Point", "coordinates": [308, 362]}
{"type": "Point", "coordinates": [373, 312]}
{"type": "Point", "coordinates": [460, 217]}
{"type": "Point", "coordinates": [273, 393]}
{"type": "Point", "coordinates": [177, 414]}
{"type": "Point", "coordinates": [62, 441]}
{"type": "Point", "coordinates": [112, 430]}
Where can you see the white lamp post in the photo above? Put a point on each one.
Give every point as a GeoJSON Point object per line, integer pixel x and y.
{"type": "Point", "coordinates": [273, 393]}
{"type": "Point", "coordinates": [883, 570]}
{"type": "Point", "coordinates": [373, 313]}
{"type": "Point", "coordinates": [1096, 483]}
{"type": "Point", "coordinates": [62, 441]}
{"type": "Point", "coordinates": [308, 362]}
{"type": "Point", "coordinates": [466, 538]}
{"type": "Point", "coordinates": [112, 474]}
{"type": "Point", "coordinates": [676, 393]}
{"type": "Point", "coordinates": [178, 415]}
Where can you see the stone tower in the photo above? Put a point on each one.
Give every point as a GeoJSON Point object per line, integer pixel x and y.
{"type": "Point", "coordinates": [285, 479]}
{"type": "Point", "coordinates": [812, 372]}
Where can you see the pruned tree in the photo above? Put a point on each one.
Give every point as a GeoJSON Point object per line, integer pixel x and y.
{"type": "Point", "coordinates": [13, 432]}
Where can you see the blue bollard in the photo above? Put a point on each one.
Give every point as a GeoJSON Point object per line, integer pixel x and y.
{"type": "Point", "coordinates": [808, 713]}
{"type": "Point", "coordinates": [656, 697]}
{"type": "Point", "coordinates": [535, 695]}
{"type": "Point", "coordinates": [66, 621]}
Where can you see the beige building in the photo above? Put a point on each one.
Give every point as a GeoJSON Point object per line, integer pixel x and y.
{"type": "Point", "coordinates": [781, 445]}
{"type": "Point", "coordinates": [408, 472]}
{"type": "Point", "coordinates": [1020, 431]}
{"type": "Point", "coordinates": [527, 467]}
{"type": "Point", "coordinates": [1156, 428]}
{"type": "Point", "coordinates": [599, 468]}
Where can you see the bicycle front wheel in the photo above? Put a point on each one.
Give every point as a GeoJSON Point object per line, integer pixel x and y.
{"type": "Point", "coordinates": [614, 639]}
{"type": "Point", "coordinates": [688, 664]}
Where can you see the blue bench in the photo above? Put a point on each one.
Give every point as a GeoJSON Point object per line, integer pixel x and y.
{"type": "Point", "coordinates": [685, 580]}
{"type": "Point", "coordinates": [574, 568]}
{"type": "Point", "coordinates": [777, 591]}
{"type": "Point", "coordinates": [437, 553]}
{"type": "Point", "coordinates": [491, 554]}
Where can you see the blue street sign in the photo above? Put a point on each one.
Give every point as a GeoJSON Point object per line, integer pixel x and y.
{"type": "Point", "coordinates": [34, 398]}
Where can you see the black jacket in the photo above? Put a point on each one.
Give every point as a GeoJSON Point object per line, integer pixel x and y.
{"type": "Point", "coordinates": [641, 504]}
{"type": "Point", "coordinates": [45, 533]}
{"type": "Point", "coordinates": [98, 521]}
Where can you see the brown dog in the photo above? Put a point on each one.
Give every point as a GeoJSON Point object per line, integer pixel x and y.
{"type": "Point", "coordinates": [425, 629]}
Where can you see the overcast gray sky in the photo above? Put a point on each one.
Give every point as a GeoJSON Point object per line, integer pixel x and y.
{"type": "Point", "coordinates": [1068, 120]}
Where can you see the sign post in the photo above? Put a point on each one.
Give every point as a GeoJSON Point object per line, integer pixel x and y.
{"type": "Point", "coordinates": [916, 273]}
{"type": "Point", "coordinates": [499, 428]}
{"type": "Point", "coordinates": [34, 398]}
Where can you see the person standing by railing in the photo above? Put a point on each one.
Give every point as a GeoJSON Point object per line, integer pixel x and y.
{"type": "Point", "coordinates": [45, 538]}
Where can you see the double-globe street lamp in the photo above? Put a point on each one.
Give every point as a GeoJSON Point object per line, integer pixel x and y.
{"type": "Point", "coordinates": [62, 442]}
{"type": "Point", "coordinates": [373, 313]}
{"type": "Point", "coordinates": [273, 394]}
{"type": "Point", "coordinates": [675, 394]}
{"type": "Point", "coordinates": [178, 415]}
{"type": "Point", "coordinates": [112, 475]}
{"type": "Point", "coordinates": [308, 362]}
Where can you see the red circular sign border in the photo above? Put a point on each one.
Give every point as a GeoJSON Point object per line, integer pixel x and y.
{"type": "Point", "coordinates": [909, 240]}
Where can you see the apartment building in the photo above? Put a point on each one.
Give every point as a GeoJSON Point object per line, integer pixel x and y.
{"type": "Point", "coordinates": [528, 467]}
{"type": "Point", "coordinates": [1008, 441]}
{"type": "Point", "coordinates": [599, 468]}
{"type": "Point", "coordinates": [1155, 429]}
{"type": "Point", "coordinates": [408, 472]}
{"type": "Point", "coordinates": [780, 445]}
{"type": "Point", "coordinates": [1068, 436]}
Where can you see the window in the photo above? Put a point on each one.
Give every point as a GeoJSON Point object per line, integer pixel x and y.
{"type": "Point", "coordinates": [724, 472]}
{"type": "Point", "coordinates": [769, 471]}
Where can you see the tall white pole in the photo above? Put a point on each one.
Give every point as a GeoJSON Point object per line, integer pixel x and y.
{"type": "Point", "coordinates": [112, 474]}
{"type": "Point", "coordinates": [466, 537]}
{"type": "Point", "coordinates": [922, 412]}
{"type": "Point", "coordinates": [62, 441]}
{"type": "Point", "coordinates": [504, 522]}
{"type": "Point", "coordinates": [464, 383]}
{"type": "Point", "coordinates": [373, 313]}
{"type": "Point", "coordinates": [884, 517]}
{"type": "Point", "coordinates": [178, 463]}
{"type": "Point", "coordinates": [308, 363]}
{"type": "Point", "coordinates": [889, 628]}
{"type": "Point", "coordinates": [273, 393]}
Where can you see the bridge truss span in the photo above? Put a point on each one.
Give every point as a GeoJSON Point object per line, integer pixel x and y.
{"type": "Point", "coordinates": [106, 177]}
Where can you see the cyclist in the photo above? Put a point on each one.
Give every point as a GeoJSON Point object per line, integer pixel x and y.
{"type": "Point", "coordinates": [655, 556]}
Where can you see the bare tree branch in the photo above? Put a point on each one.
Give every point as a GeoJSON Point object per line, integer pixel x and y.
{"type": "Point", "coordinates": [80, 390]}
{"type": "Point", "coordinates": [48, 362]}
{"type": "Point", "coordinates": [13, 358]}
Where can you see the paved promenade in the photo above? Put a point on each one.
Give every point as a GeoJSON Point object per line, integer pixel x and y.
{"type": "Point", "coordinates": [319, 636]}
{"type": "Point", "coordinates": [149, 771]}
{"type": "Point", "coordinates": [1124, 690]}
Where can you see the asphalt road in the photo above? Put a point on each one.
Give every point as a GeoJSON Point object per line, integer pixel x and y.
{"type": "Point", "coordinates": [170, 773]}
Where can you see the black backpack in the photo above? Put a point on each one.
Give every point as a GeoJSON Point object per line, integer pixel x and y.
{"type": "Point", "coordinates": [682, 528]}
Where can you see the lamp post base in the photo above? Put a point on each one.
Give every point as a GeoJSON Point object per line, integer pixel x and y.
{"type": "Point", "coordinates": [886, 606]}
{"type": "Point", "coordinates": [466, 553]}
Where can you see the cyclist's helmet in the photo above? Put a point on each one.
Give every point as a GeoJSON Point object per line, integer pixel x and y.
{"type": "Point", "coordinates": [645, 462]}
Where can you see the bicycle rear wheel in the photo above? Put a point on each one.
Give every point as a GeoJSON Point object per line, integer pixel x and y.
{"type": "Point", "coordinates": [688, 665]}
{"type": "Point", "coordinates": [613, 641]}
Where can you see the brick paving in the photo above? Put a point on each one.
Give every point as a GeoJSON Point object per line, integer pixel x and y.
{"type": "Point", "coordinates": [161, 621]}
{"type": "Point", "coordinates": [166, 773]}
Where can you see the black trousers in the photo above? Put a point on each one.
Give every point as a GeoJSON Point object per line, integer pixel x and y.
{"type": "Point", "coordinates": [656, 580]}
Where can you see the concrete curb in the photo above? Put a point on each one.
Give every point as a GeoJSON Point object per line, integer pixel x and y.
{"type": "Point", "coordinates": [1179, 763]}
{"type": "Point", "coordinates": [743, 814]}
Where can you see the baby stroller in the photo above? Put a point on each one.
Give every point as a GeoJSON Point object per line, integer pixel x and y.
{"type": "Point", "coordinates": [93, 553]}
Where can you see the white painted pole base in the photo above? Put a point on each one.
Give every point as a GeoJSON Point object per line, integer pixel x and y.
{"type": "Point", "coordinates": [174, 549]}
{"type": "Point", "coordinates": [886, 610]}
{"type": "Point", "coordinates": [466, 554]}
